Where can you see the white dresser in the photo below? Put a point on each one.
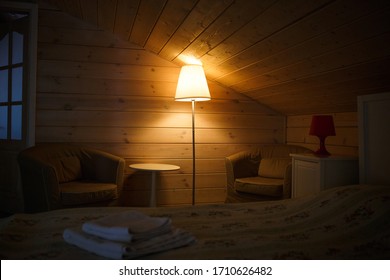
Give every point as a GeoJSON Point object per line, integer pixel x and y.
{"type": "Point", "coordinates": [311, 174]}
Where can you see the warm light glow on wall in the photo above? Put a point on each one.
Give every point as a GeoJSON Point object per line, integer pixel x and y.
{"type": "Point", "coordinates": [189, 59]}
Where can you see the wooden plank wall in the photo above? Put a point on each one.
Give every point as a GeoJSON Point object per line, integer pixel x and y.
{"type": "Point", "coordinates": [346, 141]}
{"type": "Point", "coordinates": [99, 91]}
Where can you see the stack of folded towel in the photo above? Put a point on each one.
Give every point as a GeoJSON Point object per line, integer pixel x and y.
{"type": "Point", "coordinates": [127, 235]}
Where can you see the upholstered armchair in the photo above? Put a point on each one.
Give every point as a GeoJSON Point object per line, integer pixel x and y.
{"type": "Point", "coordinates": [63, 175]}
{"type": "Point", "coordinates": [262, 173]}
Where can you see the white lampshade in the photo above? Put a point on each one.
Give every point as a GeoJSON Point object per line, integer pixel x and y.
{"type": "Point", "coordinates": [192, 84]}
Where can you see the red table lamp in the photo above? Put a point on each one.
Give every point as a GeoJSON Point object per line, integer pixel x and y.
{"type": "Point", "coordinates": [322, 126]}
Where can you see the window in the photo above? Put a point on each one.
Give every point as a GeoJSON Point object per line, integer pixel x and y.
{"type": "Point", "coordinates": [13, 47]}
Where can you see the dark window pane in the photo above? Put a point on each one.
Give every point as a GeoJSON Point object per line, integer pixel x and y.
{"type": "Point", "coordinates": [17, 48]}
{"type": "Point", "coordinates": [17, 83]}
{"type": "Point", "coordinates": [16, 122]}
{"type": "Point", "coordinates": [3, 122]}
{"type": "Point", "coordinates": [4, 85]}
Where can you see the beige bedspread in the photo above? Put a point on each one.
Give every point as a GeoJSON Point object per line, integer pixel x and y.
{"type": "Point", "coordinates": [351, 222]}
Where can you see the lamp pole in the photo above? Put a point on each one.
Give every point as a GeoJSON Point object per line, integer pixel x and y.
{"type": "Point", "coordinates": [193, 151]}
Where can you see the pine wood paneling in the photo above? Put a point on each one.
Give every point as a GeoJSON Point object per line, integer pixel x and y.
{"type": "Point", "coordinates": [148, 13]}
{"type": "Point", "coordinates": [328, 42]}
{"type": "Point", "coordinates": [89, 11]}
{"type": "Point", "coordinates": [271, 21]}
{"type": "Point", "coordinates": [155, 135]}
{"type": "Point", "coordinates": [336, 59]}
{"type": "Point", "coordinates": [96, 90]}
{"type": "Point", "coordinates": [133, 56]}
{"type": "Point", "coordinates": [204, 13]}
{"type": "Point", "coordinates": [108, 71]}
{"type": "Point", "coordinates": [235, 17]}
{"type": "Point", "coordinates": [172, 16]}
{"type": "Point", "coordinates": [106, 13]}
{"type": "Point", "coordinates": [126, 12]}
{"type": "Point", "coordinates": [315, 28]}
{"type": "Point", "coordinates": [283, 46]}
{"type": "Point", "coordinates": [76, 36]}
{"type": "Point", "coordinates": [141, 119]}
{"type": "Point", "coordinates": [166, 152]}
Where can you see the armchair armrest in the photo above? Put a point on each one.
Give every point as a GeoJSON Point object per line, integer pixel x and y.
{"type": "Point", "coordinates": [40, 185]}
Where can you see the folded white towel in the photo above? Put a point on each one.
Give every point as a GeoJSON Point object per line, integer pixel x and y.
{"type": "Point", "coordinates": [177, 238]}
{"type": "Point", "coordinates": [119, 250]}
{"type": "Point", "coordinates": [94, 244]}
{"type": "Point", "coordinates": [127, 226]}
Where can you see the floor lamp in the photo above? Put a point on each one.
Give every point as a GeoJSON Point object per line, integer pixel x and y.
{"type": "Point", "coordinates": [192, 86]}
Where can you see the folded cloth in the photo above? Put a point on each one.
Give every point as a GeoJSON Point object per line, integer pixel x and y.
{"type": "Point", "coordinates": [177, 238]}
{"type": "Point", "coordinates": [127, 226]}
{"type": "Point", "coordinates": [94, 244]}
{"type": "Point", "coordinates": [120, 250]}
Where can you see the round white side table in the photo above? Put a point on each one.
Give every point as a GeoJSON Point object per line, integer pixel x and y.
{"type": "Point", "coordinates": [154, 168]}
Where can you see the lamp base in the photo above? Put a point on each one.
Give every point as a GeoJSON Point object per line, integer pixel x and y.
{"type": "Point", "coordinates": [322, 152]}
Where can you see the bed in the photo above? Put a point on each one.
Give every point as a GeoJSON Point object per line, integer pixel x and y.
{"type": "Point", "coordinates": [349, 222]}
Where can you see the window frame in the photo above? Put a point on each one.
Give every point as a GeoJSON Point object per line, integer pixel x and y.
{"type": "Point", "coordinates": [29, 87]}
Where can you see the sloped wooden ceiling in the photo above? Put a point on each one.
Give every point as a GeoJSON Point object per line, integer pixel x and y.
{"type": "Point", "coordinates": [295, 56]}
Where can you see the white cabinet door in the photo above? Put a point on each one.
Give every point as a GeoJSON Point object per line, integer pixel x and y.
{"type": "Point", "coordinates": [306, 178]}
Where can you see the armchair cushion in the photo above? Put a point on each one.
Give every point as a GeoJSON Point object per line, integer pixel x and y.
{"type": "Point", "coordinates": [260, 186]}
{"type": "Point", "coordinates": [273, 167]}
{"type": "Point", "coordinates": [85, 192]}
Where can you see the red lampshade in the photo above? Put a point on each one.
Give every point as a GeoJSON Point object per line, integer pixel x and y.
{"type": "Point", "coordinates": [322, 126]}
